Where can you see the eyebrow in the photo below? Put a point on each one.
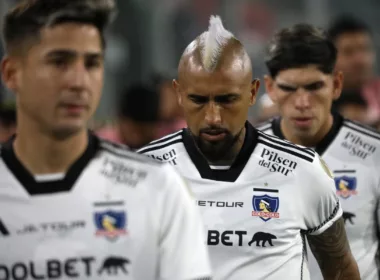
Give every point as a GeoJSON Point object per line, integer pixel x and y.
{"type": "Point", "coordinates": [292, 87]}
{"type": "Point", "coordinates": [72, 54]}
{"type": "Point", "coordinates": [215, 96]}
{"type": "Point", "coordinates": [286, 86]}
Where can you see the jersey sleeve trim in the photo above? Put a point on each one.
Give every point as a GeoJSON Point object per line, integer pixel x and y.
{"type": "Point", "coordinates": [124, 152]}
{"type": "Point", "coordinates": [159, 146]}
{"type": "Point", "coordinates": [335, 215]}
{"type": "Point", "coordinates": [306, 157]}
{"type": "Point", "coordinates": [362, 129]}
{"type": "Point", "coordinates": [166, 138]}
{"type": "Point", "coordinates": [274, 139]}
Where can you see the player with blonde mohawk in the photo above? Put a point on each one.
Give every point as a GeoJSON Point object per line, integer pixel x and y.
{"type": "Point", "coordinates": [259, 195]}
{"type": "Point", "coordinates": [213, 43]}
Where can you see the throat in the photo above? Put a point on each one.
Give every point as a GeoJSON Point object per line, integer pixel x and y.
{"type": "Point", "coordinates": [305, 139]}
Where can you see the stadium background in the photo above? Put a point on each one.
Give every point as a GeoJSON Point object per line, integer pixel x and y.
{"type": "Point", "coordinates": [149, 36]}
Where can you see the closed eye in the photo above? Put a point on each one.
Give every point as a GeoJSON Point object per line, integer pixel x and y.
{"type": "Point", "coordinates": [94, 61]}
{"type": "Point", "coordinates": [314, 86]}
{"type": "Point", "coordinates": [227, 98]}
{"type": "Point", "coordinates": [198, 99]}
{"type": "Point", "coordinates": [286, 88]}
{"type": "Point", "coordinates": [59, 61]}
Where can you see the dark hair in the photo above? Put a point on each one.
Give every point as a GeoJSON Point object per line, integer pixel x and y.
{"type": "Point", "coordinates": [139, 103]}
{"type": "Point", "coordinates": [346, 24]}
{"type": "Point", "coordinates": [7, 114]}
{"type": "Point", "coordinates": [25, 21]}
{"type": "Point", "coordinates": [299, 46]}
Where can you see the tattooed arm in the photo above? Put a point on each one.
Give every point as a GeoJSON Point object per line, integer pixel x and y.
{"type": "Point", "coordinates": [333, 254]}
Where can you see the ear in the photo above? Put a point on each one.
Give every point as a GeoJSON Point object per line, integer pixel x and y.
{"type": "Point", "coordinates": [9, 73]}
{"type": "Point", "coordinates": [337, 84]}
{"type": "Point", "coordinates": [254, 90]}
{"type": "Point", "coordinates": [269, 85]}
{"type": "Point", "coordinates": [177, 90]}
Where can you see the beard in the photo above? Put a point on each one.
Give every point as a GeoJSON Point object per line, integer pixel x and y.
{"type": "Point", "coordinates": [217, 150]}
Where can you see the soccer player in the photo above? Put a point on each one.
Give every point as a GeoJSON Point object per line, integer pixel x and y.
{"type": "Point", "coordinates": [303, 84]}
{"type": "Point", "coordinates": [71, 205]}
{"type": "Point", "coordinates": [260, 196]}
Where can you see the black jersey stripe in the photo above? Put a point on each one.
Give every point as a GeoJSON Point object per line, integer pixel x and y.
{"type": "Point", "coordinates": [125, 153]}
{"type": "Point", "coordinates": [154, 148]}
{"type": "Point", "coordinates": [362, 129]}
{"type": "Point", "coordinates": [165, 138]}
{"type": "Point", "coordinates": [286, 143]}
{"type": "Point", "coordinates": [365, 127]}
{"type": "Point", "coordinates": [307, 158]}
{"type": "Point", "coordinates": [332, 216]}
{"type": "Point", "coordinates": [162, 141]}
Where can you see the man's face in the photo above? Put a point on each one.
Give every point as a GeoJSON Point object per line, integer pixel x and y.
{"type": "Point", "coordinates": [58, 82]}
{"type": "Point", "coordinates": [356, 58]}
{"type": "Point", "coordinates": [216, 107]}
{"type": "Point", "coordinates": [304, 97]}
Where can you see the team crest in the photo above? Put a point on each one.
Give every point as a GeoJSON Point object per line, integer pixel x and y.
{"type": "Point", "coordinates": [265, 207]}
{"type": "Point", "coordinates": [110, 224]}
{"type": "Point", "coordinates": [345, 186]}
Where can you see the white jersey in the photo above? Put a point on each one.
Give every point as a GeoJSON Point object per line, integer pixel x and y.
{"type": "Point", "coordinates": [352, 151]}
{"type": "Point", "coordinates": [114, 215]}
{"type": "Point", "coordinates": [258, 211]}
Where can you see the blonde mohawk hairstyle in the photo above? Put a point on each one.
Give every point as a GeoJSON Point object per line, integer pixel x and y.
{"type": "Point", "coordinates": [213, 42]}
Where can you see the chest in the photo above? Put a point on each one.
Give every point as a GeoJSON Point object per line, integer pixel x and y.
{"type": "Point", "coordinates": [96, 229]}
{"type": "Point", "coordinates": [356, 186]}
{"type": "Point", "coordinates": [248, 215]}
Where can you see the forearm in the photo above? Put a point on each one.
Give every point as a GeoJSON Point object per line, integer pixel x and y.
{"type": "Point", "coordinates": [344, 268]}
{"type": "Point", "coordinates": [333, 253]}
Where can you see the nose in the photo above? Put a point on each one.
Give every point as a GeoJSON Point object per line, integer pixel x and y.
{"type": "Point", "coordinates": [213, 116]}
{"type": "Point", "coordinates": [302, 100]}
{"type": "Point", "coordinates": [77, 76]}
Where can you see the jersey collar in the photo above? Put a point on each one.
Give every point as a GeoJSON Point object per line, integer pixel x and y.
{"type": "Point", "coordinates": [34, 187]}
{"type": "Point", "coordinates": [233, 173]}
{"type": "Point", "coordinates": [325, 142]}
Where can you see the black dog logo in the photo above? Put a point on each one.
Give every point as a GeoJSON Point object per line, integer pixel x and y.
{"type": "Point", "coordinates": [348, 216]}
{"type": "Point", "coordinates": [113, 264]}
{"type": "Point", "coordinates": [264, 237]}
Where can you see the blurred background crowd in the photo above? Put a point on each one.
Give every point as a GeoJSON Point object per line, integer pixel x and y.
{"type": "Point", "coordinates": [148, 37]}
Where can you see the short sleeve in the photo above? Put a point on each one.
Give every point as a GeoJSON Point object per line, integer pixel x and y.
{"type": "Point", "coordinates": [320, 206]}
{"type": "Point", "coordinates": [183, 251]}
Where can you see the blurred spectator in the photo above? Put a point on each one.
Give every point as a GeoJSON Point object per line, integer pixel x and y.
{"type": "Point", "coordinates": [7, 121]}
{"type": "Point", "coordinates": [360, 99]}
{"type": "Point", "coordinates": [137, 119]}
{"type": "Point", "coordinates": [170, 113]}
